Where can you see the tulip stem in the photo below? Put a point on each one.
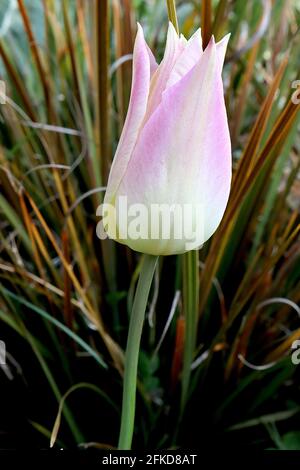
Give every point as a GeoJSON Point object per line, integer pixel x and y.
{"type": "Point", "coordinates": [132, 351]}
{"type": "Point", "coordinates": [172, 14]}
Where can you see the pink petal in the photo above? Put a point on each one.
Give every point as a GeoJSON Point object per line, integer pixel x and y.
{"type": "Point", "coordinates": [183, 154]}
{"type": "Point", "coordinates": [174, 47]}
{"type": "Point", "coordinates": [153, 63]}
{"type": "Point", "coordinates": [187, 59]}
{"type": "Point", "coordinates": [221, 50]}
{"type": "Point", "coordinates": [135, 114]}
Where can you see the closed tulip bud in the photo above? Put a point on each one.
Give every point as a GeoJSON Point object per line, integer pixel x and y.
{"type": "Point", "coordinates": [170, 179]}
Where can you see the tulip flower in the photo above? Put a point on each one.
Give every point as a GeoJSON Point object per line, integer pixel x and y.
{"type": "Point", "coordinates": [175, 146]}
{"type": "Point", "coordinates": [174, 151]}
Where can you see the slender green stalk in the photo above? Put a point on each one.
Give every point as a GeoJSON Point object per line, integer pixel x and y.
{"type": "Point", "coordinates": [67, 413]}
{"type": "Point", "coordinates": [191, 306]}
{"type": "Point", "coordinates": [172, 14]}
{"type": "Point", "coordinates": [132, 351]}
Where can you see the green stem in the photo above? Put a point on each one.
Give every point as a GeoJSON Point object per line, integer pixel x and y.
{"type": "Point", "coordinates": [132, 351]}
{"type": "Point", "coordinates": [172, 14]}
{"type": "Point", "coordinates": [191, 307]}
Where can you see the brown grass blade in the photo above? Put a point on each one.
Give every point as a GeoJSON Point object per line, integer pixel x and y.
{"type": "Point", "coordinates": [37, 59]}
{"type": "Point", "coordinates": [102, 81]}
{"type": "Point", "coordinates": [206, 21]}
{"type": "Point", "coordinates": [16, 80]}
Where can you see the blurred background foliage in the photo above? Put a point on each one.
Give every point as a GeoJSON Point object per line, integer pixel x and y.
{"type": "Point", "coordinates": [215, 366]}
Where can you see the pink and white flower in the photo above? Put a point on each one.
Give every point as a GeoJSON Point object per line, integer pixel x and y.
{"type": "Point", "coordinates": [175, 146]}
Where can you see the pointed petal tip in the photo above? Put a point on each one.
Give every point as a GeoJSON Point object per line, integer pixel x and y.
{"type": "Point", "coordinates": [211, 46]}
{"type": "Point", "coordinates": [140, 29]}
{"type": "Point", "coordinates": [171, 29]}
{"type": "Point", "coordinates": [198, 32]}
{"type": "Point", "coordinates": [224, 41]}
{"type": "Point", "coordinates": [196, 36]}
{"type": "Point", "coordinates": [212, 40]}
{"type": "Point", "coordinates": [222, 48]}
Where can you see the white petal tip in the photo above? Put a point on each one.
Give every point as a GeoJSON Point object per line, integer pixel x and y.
{"type": "Point", "coordinates": [224, 41]}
